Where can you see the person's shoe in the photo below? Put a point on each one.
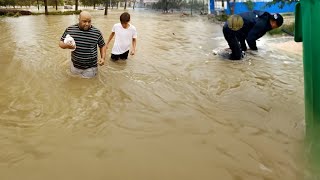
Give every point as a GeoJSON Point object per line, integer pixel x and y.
{"type": "Point", "coordinates": [243, 54]}
{"type": "Point", "coordinates": [233, 58]}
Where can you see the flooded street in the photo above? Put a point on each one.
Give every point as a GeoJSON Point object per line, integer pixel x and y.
{"type": "Point", "coordinates": [174, 111]}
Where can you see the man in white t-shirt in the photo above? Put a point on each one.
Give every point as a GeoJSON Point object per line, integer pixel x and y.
{"type": "Point", "coordinates": [126, 34]}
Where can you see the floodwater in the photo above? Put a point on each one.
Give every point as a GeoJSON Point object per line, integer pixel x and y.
{"type": "Point", "coordinates": [174, 111]}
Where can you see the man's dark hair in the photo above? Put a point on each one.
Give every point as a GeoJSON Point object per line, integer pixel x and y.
{"type": "Point", "coordinates": [125, 17]}
{"type": "Point", "coordinates": [277, 18]}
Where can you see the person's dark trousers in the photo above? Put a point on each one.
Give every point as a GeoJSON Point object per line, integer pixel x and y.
{"type": "Point", "coordinates": [233, 42]}
{"type": "Point", "coordinates": [123, 56]}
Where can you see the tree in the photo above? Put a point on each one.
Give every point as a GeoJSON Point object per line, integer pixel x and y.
{"type": "Point", "coordinates": [249, 4]}
{"type": "Point", "coordinates": [23, 3]}
{"type": "Point", "coordinates": [164, 5]}
{"type": "Point", "coordinates": [231, 7]}
{"type": "Point", "coordinates": [282, 3]}
{"type": "Point", "coordinates": [46, 7]}
{"type": "Point", "coordinates": [89, 3]}
{"type": "Point", "coordinates": [191, 6]}
{"type": "Point", "coordinates": [10, 3]}
{"type": "Point", "coordinates": [106, 9]}
{"type": "Point", "coordinates": [77, 3]}
{"type": "Point", "coordinates": [55, 3]}
{"type": "Point", "coordinates": [69, 2]}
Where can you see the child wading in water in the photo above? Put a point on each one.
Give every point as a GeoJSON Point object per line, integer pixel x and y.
{"type": "Point", "coordinates": [126, 34]}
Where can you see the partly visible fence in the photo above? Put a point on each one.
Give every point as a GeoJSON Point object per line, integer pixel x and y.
{"type": "Point", "coordinates": [240, 7]}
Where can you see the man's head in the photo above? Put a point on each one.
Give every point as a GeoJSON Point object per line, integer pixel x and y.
{"type": "Point", "coordinates": [276, 20]}
{"type": "Point", "coordinates": [125, 19]}
{"type": "Point", "coordinates": [84, 20]}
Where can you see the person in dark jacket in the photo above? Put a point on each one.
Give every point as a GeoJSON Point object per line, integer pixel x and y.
{"type": "Point", "coordinates": [254, 25]}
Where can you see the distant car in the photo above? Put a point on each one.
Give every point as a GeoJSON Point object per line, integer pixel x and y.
{"type": "Point", "coordinates": [100, 8]}
{"type": "Point", "coordinates": [67, 7]}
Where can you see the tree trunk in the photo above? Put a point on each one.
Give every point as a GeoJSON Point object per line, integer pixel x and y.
{"type": "Point", "coordinates": [203, 6]}
{"type": "Point", "coordinates": [233, 6]}
{"type": "Point", "coordinates": [106, 9]}
{"type": "Point", "coordinates": [191, 6]}
{"type": "Point", "coordinates": [77, 3]}
{"type": "Point", "coordinates": [38, 5]}
{"type": "Point", "coordinates": [167, 6]}
{"type": "Point", "coordinates": [94, 5]}
{"type": "Point", "coordinates": [45, 7]}
{"type": "Point", "coordinates": [125, 4]}
{"type": "Point", "coordinates": [56, 4]}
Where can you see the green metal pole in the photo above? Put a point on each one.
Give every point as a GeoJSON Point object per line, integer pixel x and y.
{"type": "Point", "coordinates": [311, 59]}
{"type": "Point", "coordinates": [308, 30]}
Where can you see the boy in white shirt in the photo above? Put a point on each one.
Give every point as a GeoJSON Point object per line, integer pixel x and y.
{"type": "Point", "coordinates": [126, 34]}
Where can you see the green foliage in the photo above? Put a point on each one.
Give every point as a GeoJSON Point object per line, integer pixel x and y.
{"type": "Point", "coordinates": [17, 14]}
{"type": "Point", "coordinates": [222, 17]}
{"type": "Point", "coordinates": [10, 14]}
{"type": "Point", "coordinates": [53, 2]}
{"type": "Point", "coordinates": [8, 2]}
{"type": "Point", "coordinates": [69, 2]}
{"type": "Point", "coordinates": [179, 4]}
{"type": "Point", "coordinates": [22, 2]}
{"type": "Point", "coordinates": [275, 31]}
{"type": "Point", "coordinates": [249, 4]}
{"type": "Point", "coordinates": [282, 3]}
{"type": "Point", "coordinates": [92, 2]}
{"type": "Point", "coordinates": [286, 27]}
{"type": "Point", "coordinates": [13, 14]}
{"type": "Point", "coordinates": [65, 12]}
{"type": "Point", "coordinates": [289, 27]}
{"type": "Point", "coordinates": [60, 13]}
{"type": "Point", "coordinates": [287, 14]}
